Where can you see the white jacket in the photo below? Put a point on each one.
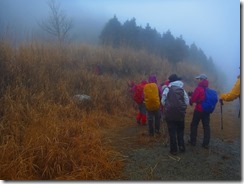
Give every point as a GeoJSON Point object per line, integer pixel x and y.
{"type": "Point", "coordinates": [166, 90]}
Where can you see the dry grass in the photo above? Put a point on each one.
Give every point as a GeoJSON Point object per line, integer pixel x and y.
{"type": "Point", "coordinates": [43, 133]}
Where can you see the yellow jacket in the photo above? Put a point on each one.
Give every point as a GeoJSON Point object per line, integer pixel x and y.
{"type": "Point", "coordinates": [234, 93]}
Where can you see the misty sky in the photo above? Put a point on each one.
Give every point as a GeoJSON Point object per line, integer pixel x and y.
{"type": "Point", "coordinates": [213, 25]}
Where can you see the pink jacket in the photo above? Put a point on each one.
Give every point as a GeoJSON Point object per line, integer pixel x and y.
{"type": "Point", "coordinates": [198, 95]}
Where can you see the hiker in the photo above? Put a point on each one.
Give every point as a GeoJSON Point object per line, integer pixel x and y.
{"type": "Point", "coordinates": [131, 87]}
{"type": "Point", "coordinates": [234, 93]}
{"type": "Point", "coordinates": [165, 84]}
{"type": "Point", "coordinates": [97, 69]}
{"type": "Point", "coordinates": [197, 97]}
{"type": "Point", "coordinates": [175, 101]}
{"type": "Point", "coordinates": [152, 95]}
{"type": "Point", "coordinates": [141, 117]}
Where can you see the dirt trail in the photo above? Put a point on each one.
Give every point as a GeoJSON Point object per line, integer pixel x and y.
{"type": "Point", "coordinates": [148, 158]}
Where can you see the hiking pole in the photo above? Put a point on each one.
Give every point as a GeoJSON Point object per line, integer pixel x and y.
{"type": "Point", "coordinates": [221, 113]}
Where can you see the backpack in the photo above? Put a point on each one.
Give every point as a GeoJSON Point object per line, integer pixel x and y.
{"type": "Point", "coordinates": [138, 95]}
{"type": "Point", "coordinates": [151, 97]}
{"type": "Point", "coordinates": [210, 101]}
{"type": "Point", "coordinates": [175, 106]}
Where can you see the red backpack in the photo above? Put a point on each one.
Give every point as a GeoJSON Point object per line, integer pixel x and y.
{"type": "Point", "coordinates": [138, 95]}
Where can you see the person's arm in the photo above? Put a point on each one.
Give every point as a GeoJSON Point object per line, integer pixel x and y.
{"type": "Point", "coordinates": [186, 98]}
{"type": "Point", "coordinates": [164, 95]}
{"type": "Point", "coordinates": [233, 94]}
{"type": "Point", "coordinates": [194, 96]}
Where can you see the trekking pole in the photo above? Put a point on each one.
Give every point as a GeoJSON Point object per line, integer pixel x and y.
{"type": "Point", "coordinates": [239, 113]}
{"type": "Point", "coordinates": [221, 113]}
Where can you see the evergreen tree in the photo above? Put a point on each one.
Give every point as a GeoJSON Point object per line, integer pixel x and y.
{"type": "Point", "coordinates": [111, 34]}
{"type": "Point", "coordinates": [166, 45]}
{"type": "Point", "coordinates": [151, 39]}
{"type": "Point", "coordinates": [181, 49]}
{"type": "Point", "coordinates": [130, 33]}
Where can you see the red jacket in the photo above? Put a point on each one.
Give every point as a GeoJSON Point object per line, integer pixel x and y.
{"type": "Point", "coordinates": [198, 95]}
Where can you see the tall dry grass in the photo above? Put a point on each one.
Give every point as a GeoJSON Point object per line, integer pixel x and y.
{"type": "Point", "coordinates": [43, 133]}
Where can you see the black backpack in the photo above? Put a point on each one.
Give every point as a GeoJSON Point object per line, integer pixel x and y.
{"type": "Point", "coordinates": [175, 106]}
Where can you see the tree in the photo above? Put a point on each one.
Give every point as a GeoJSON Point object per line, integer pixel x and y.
{"type": "Point", "coordinates": [130, 33]}
{"type": "Point", "coordinates": [168, 46]}
{"type": "Point", "coordinates": [57, 23]}
{"type": "Point", "coordinates": [111, 33]}
{"type": "Point", "coordinates": [149, 39]}
{"type": "Point", "coordinates": [181, 49]}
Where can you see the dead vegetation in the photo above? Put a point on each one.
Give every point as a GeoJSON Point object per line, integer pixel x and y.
{"type": "Point", "coordinates": [43, 133]}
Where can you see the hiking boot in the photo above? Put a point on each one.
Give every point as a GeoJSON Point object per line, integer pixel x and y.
{"type": "Point", "coordinates": [173, 152]}
{"type": "Point", "coordinates": [182, 149]}
{"type": "Point", "coordinates": [191, 143]}
{"type": "Point", "coordinates": [205, 146]}
{"type": "Point", "coordinates": [157, 132]}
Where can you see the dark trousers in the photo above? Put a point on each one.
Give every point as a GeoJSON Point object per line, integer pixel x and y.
{"type": "Point", "coordinates": [197, 117]}
{"type": "Point", "coordinates": [151, 117]}
{"type": "Point", "coordinates": [176, 134]}
{"type": "Point", "coordinates": [142, 108]}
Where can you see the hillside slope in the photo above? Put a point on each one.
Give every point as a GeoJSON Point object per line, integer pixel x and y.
{"type": "Point", "coordinates": [45, 134]}
{"type": "Point", "coordinates": [148, 158]}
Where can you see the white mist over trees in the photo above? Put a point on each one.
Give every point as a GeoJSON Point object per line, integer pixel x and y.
{"type": "Point", "coordinates": [213, 26]}
{"type": "Point", "coordinates": [164, 45]}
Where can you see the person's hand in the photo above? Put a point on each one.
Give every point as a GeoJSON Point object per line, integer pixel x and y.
{"type": "Point", "coordinates": [190, 103]}
{"type": "Point", "coordinates": [189, 93]}
{"type": "Point", "coordinates": [221, 101]}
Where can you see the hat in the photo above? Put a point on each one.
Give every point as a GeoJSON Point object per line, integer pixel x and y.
{"type": "Point", "coordinates": [152, 79]}
{"type": "Point", "coordinates": [143, 82]}
{"type": "Point", "coordinates": [202, 76]}
{"type": "Point", "coordinates": [173, 78]}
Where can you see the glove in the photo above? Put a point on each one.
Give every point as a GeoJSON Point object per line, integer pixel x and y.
{"type": "Point", "coordinates": [189, 93]}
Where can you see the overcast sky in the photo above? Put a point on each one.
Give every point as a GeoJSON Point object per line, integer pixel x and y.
{"type": "Point", "coordinates": [213, 25]}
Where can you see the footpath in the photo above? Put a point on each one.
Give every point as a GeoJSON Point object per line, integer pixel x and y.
{"type": "Point", "coordinates": [148, 158]}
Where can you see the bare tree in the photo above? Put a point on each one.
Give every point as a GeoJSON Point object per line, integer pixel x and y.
{"type": "Point", "coordinates": [57, 23]}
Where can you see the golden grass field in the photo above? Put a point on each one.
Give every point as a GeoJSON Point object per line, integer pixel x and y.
{"type": "Point", "coordinates": [44, 134]}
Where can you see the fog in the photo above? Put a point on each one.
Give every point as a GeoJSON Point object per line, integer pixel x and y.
{"type": "Point", "coordinates": [212, 25]}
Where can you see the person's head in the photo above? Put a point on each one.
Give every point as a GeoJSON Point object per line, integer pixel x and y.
{"type": "Point", "coordinates": [152, 79]}
{"type": "Point", "coordinates": [143, 82]}
{"type": "Point", "coordinates": [202, 80]}
{"type": "Point", "coordinates": [173, 78]}
{"type": "Point", "coordinates": [201, 77]}
{"type": "Point", "coordinates": [166, 82]}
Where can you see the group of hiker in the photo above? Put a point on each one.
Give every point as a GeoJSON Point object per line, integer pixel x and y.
{"type": "Point", "coordinates": [169, 101]}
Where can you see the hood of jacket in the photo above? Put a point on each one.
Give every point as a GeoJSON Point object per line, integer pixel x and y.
{"type": "Point", "coordinates": [152, 79]}
{"type": "Point", "coordinates": [177, 83]}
